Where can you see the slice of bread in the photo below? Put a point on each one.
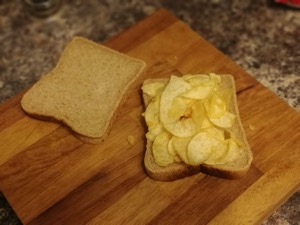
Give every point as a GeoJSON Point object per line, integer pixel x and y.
{"type": "Point", "coordinates": [231, 170]}
{"type": "Point", "coordinates": [85, 88]}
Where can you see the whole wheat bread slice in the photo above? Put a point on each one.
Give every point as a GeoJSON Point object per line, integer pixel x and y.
{"type": "Point", "coordinates": [85, 88]}
{"type": "Point", "coordinates": [232, 170]}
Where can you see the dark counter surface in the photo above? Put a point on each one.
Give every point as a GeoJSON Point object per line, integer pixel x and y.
{"type": "Point", "coordinates": [260, 36]}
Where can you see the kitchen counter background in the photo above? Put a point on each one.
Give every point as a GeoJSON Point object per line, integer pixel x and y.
{"type": "Point", "coordinates": [260, 36]}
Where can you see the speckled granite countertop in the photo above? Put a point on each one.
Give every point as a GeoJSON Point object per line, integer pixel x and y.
{"type": "Point", "coordinates": [260, 36]}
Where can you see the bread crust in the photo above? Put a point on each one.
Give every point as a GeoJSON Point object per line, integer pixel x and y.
{"type": "Point", "coordinates": [180, 170]}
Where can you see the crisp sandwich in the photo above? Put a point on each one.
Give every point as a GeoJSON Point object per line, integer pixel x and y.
{"type": "Point", "coordinates": [194, 126]}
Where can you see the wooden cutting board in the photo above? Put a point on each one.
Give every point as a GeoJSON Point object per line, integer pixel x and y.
{"type": "Point", "coordinates": [50, 177]}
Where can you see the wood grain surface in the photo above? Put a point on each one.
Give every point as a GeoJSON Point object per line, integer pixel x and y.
{"type": "Point", "coordinates": [50, 177]}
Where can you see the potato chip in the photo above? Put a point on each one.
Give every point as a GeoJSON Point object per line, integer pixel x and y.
{"type": "Point", "coordinates": [177, 109]}
{"type": "Point", "coordinates": [233, 150]}
{"type": "Point", "coordinates": [214, 77]}
{"type": "Point", "coordinates": [206, 123]}
{"type": "Point", "coordinates": [225, 121]}
{"type": "Point", "coordinates": [172, 109]}
{"type": "Point", "coordinates": [216, 133]}
{"type": "Point", "coordinates": [216, 107]}
{"type": "Point", "coordinates": [235, 139]}
{"type": "Point", "coordinates": [154, 131]}
{"type": "Point", "coordinates": [200, 92]}
{"type": "Point", "coordinates": [189, 102]}
{"type": "Point", "coordinates": [218, 154]}
{"type": "Point", "coordinates": [184, 127]}
{"type": "Point", "coordinates": [160, 149]}
{"type": "Point", "coordinates": [150, 136]}
{"type": "Point", "coordinates": [200, 117]}
{"type": "Point", "coordinates": [152, 113]}
{"type": "Point", "coordinates": [197, 79]}
{"type": "Point", "coordinates": [171, 148]}
{"type": "Point", "coordinates": [174, 88]}
{"type": "Point", "coordinates": [200, 148]}
{"type": "Point", "coordinates": [187, 76]}
{"type": "Point", "coordinates": [153, 89]}
{"type": "Point", "coordinates": [180, 146]}
{"type": "Point", "coordinates": [225, 94]}
{"type": "Point", "coordinates": [198, 114]}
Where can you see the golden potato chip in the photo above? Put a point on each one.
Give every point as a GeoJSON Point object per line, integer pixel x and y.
{"type": "Point", "coordinates": [206, 123]}
{"type": "Point", "coordinates": [235, 139]}
{"type": "Point", "coordinates": [216, 107]}
{"type": "Point", "coordinates": [233, 150]}
{"type": "Point", "coordinates": [152, 113]}
{"type": "Point", "coordinates": [160, 149]}
{"type": "Point", "coordinates": [174, 88]}
{"type": "Point", "coordinates": [184, 127]}
{"type": "Point", "coordinates": [225, 121]}
{"type": "Point", "coordinates": [200, 148]}
{"type": "Point", "coordinates": [171, 148]}
{"type": "Point", "coordinates": [198, 114]}
{"type": "Point", "coordinates": [154, 131]}
{"type": "Point", "coordinates": [216, 133]}
{"type": "Point", "coordinates": [200, 92]}
{"type": "Point", "coordinates": [218, 154]}
{"type": "Point", "coordinates": [214, 77]}
{"type": "Point", "coordinates": [172, 109]}
{"type": "Point", "coordinates": [197, 79]}
{"type": "Point", "coordinates": [189, 102]}
{"type": "Point", "coordinates": [225, 94]}
{"type": "Point", "coordinates": [153, 89]}
{"type": "Point", "coordinates": [180, 146]}
{"type": "Point", "coordinates": [177, 109]}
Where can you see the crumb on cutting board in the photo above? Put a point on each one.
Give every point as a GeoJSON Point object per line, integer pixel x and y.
{"type": "Point", "coordinates": [131, 139]}
{"type": "Point", "coordinates": [251, 127]}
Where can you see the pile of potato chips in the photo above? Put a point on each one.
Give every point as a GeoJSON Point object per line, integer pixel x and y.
{"type": "Point", "coordinates": [189, 121]}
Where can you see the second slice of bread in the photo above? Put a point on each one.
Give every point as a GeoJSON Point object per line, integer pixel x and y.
{"type": "Point", "coordinates": [231, 170]}
{"type": "Point", "coordinates": [84, 89]}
